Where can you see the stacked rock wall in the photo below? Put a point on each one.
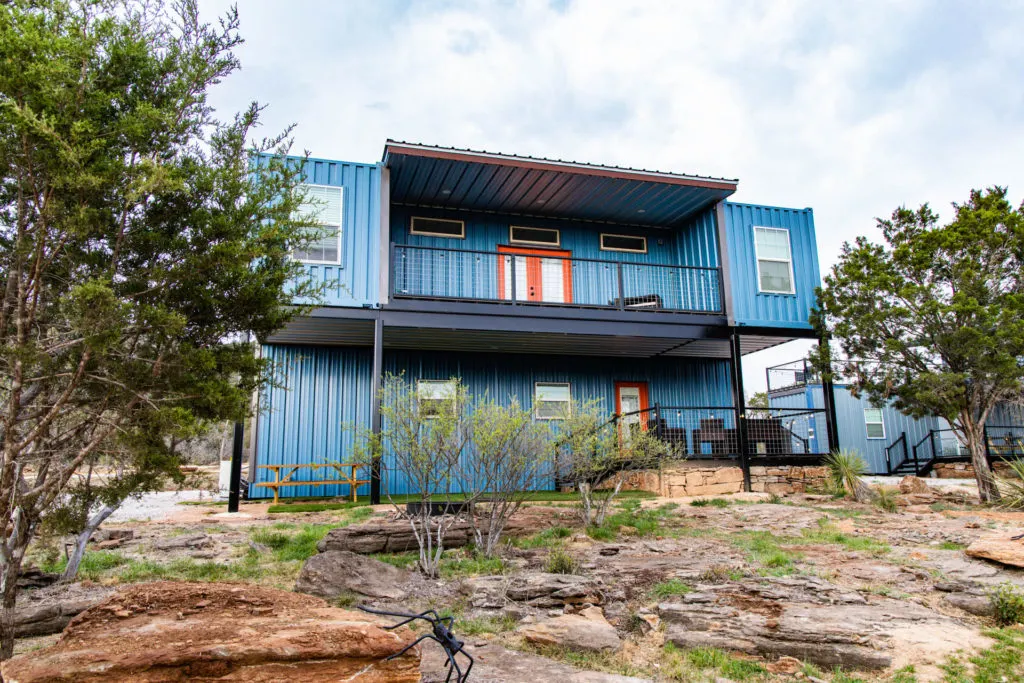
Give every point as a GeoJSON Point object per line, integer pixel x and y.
{"type": "Point", "coordinates": [784, 479]}
{"type": "Point", "coordinates": [690, 479]}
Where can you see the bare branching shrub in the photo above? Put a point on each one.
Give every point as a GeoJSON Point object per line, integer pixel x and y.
{"type": "Point", "coordinates": [597, 458]}
{"type": "Point", "coordinates": [510, 455]}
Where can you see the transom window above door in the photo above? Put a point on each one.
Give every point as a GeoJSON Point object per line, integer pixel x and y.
{"type": "Point", "coordinates": [543, 236]}
{"type": "Point", "coordinates": [438, 227]}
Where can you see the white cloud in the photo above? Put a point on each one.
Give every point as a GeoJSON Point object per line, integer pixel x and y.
{"type": "Point", "coordinates": [851, 108]}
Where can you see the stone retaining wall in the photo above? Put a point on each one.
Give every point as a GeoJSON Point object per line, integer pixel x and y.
{"type": "Point", "coordinates": [689, 479]}
{"type": "Point", "coordinates": [965, 470]}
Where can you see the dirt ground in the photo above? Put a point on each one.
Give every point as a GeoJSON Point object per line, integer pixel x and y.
{"type": "Point", "coordinates": [656, 550]}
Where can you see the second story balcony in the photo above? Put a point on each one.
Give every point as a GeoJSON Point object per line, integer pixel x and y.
{"type": "Point", "coordinates": [520, 276]}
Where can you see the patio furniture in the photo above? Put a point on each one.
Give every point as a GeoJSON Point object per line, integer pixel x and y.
{"type": "Point", "coordinates": [346, 474]}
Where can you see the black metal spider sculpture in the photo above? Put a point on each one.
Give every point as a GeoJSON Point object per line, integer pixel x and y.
{"type": "Point", "coordinates": [441, 632]}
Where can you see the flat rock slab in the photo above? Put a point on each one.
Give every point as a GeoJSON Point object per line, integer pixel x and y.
{"type": "Point", "coordinates": [999, 549]}
{"type": "Point", "coordinates": [48, 610]}
{"type": "Point", "coordinates": [587, 632]}
{"type": "Point", "coordinates": [340, 572]}
{"type": "Point", "coordinates": [803, 617]}
{"type": "Point", "coordinates": [537, 589]}
{"type": "Point", "coordinates": [397, 536]}
{"type": "Point", "coordinates": [495, 664]}
{"type": "Point", "coordinates": [168, 631]}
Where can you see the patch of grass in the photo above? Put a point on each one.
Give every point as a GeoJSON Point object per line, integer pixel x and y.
{"type": "Point", "coordinates": [696, 664]}
{"type": "Point", "coordinates": [630, 514]}
{"type": "Point", "coordinates": [1004, 661]}
{"type": "Point", "coordinates": [458, 564]}
{"type": "Point", "coordinates": [840, 676]}
{"type": "Point", "coordinates": [713, 502]}
{"type": "Point", "coordinates": [763, 549]}
{"type": "Point", "coordinates": [187, 569]}
{"type": "Point", "coordinates": [720, 573]}
{"type": "Point", "coordinates": [561, 562]}
{"type": "Point", "coordinates": [905, 675]}
{"type": "Point", "coordinates": [775, 499]}
{"type": "Point", "coordinates": [481, 625]}
{"type": "Point", "coordinates": [607, 662]}
{"type": "Point", "coordinates": [300, 545]}
{"type": "Point", "coordinates": [602, 533]}
{"type": "Point", "coordinates": [400, 560]}
{"type": "Point", "coordinates": [886, 499]}
{"type": "Point", "coordinates": [545, 539]}
{"type": "Point", "coordinates": [827, 533]}
{"type": "Point", "coordinates": [1008, 603]}
{"type": "Point", "coordinates": [670, 589]}
{"type": "Point", "coordinates": [952, 545]}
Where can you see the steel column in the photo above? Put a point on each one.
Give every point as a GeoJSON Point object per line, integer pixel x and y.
{"type": "Point", "coordinates": [739, 400]}
{"type": "Point", "coordinates": [235, 481]}
{"type": "Point", "coordinates": [829, 398]}
{"type": "Point", "coordinates": [375, 389]}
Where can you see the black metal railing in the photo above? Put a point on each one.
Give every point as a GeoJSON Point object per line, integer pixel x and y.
{"type": "Point", "coordinates": [517, 278]}
{"type": "Point", "coordinates": [896, 453]}
{"type": "Point", "coordinates": [712, 432]}
{"type": "Point", "coordinates": [1004, 442]}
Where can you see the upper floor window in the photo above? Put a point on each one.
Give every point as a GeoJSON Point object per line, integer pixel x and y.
{"type": "Point", "coordinates": [551, 401]}
{"type": "Point", "coordinates": [322, 204]}
{"type": "Point", "coordinates": [774, 260]}
{"type": "Point", "coordinates": [875, 423]}
{"type": "Point", "coordinates": [438, 227]}
{"type": "Point", "coordinates": [547, 237]}
{"type": "Point", "coordinates": [623, 243]}
{"type": "Point", "coordinates": [435, 396]}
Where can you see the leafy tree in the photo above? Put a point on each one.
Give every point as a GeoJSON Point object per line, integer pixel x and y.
{"type": "Point", "coordinates": [933, 319]}
{"type": "Point", "coordinates": [758, 400]}
{"type": "Point", "coordinates": [139, 250]}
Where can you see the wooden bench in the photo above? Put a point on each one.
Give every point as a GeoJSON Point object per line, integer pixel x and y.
{"type": "Point", "coordinates": [346, 471]}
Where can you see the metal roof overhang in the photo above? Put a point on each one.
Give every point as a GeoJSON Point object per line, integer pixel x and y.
{"type": "Point", "coordinates": [424, 175]}
{"type": "Point", "coordinates": [536, 331]}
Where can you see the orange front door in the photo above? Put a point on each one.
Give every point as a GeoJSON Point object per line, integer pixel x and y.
{"type": "Point", "coordinates": [630, 404]}
{"type": "Point", "coordinates": [543, 275]}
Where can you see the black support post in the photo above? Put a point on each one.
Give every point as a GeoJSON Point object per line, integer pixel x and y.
{"type": "Point", "coordinates": [378, 359]}
{"type": "Point", "coordinates": [235, 481]}
{"type": "Point", "coordinates": [739, 400]}
{"type": "Point", "coordinates": [829, 398]}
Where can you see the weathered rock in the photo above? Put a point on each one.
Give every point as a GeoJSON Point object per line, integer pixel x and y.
{"type": "Point", "coordinates": [188, 541]}
{"type": "Point", "coordinates": [536, 589]}
{"type": "Point", "coordinates": [205, 631]}
{"type": "Point", "coordinates": [496, 664]}
{"type": "Point", "coordinates": [48, 610]}
{"type": "Point", "coordinates": [784, 665]}
{"type": "Point", "coordinates": [802, 617]}
{"type": "Point", "coordinates": [587, 631]}
{"type": "Point", "coordinates": [998, 549]}
{"type": "Point", "coordinates": [101, 535]}
{"type": "Point", "coordinates": [978, 605]}
{"type": "Point", "coordinates": [397, 536]}
{"type": "Point", "coordinates": [339, 572]}
{"type": "Point", "coordinates": [912, 484]}
{"type": "Point", "coordinates": [32, 577]}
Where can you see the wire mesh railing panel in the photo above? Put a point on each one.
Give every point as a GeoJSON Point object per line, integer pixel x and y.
{"type": "Point", "coordinates": [434, 272]}
{"type": "Point", "coordinates": [790, 375]}
{"type": "Point", "coordinates": [1004, 441]}
{"type": "Point", "coordinates": [786, 431]}
{"type": "Point", "coordinates": [696, 433]}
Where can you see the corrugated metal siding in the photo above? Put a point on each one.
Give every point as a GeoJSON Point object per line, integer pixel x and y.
{"type": "Point", "coordinates": [852, 429]}
{"type": "Point", "coordinates": [776, 310]}
{"type": "Point", "coordinates": [326, 392]}
{"type": "Point", "coordinates": [469, 275]}
{"type": "Point", "coordinates": [1006, 415]}
{"type": "Point", "coordinates": [356, 281]}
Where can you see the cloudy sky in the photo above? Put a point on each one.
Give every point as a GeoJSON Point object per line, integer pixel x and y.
{"type": "Point", "coordinates": [851, 108]}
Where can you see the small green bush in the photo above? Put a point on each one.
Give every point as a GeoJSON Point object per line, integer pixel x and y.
{"type": "Point", "coordinates": [561, 562]}
{"type": "Point", "coordinates": [1008, 603]}
{"type": "Point", "coordinates": [775, 499]}
{"type": "Point", "coordinates": [886, 499]}
{"type": "Point", "coordinates": [670, 589]}
{"type": "Point", "coordinates": [714, 502]}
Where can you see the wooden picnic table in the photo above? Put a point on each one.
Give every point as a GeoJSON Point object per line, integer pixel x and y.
{"type": "Point", "coordinates": [347, 474]}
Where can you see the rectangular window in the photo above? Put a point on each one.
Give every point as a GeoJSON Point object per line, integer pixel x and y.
{"type": "Point", "coordinates": [323, 204]}
{"type": "Point", "coordinates": [774, 260]}
{"type": "Point", "coordinates": [545, 236]}
{"type": "Point", "coordinates": [435, 396]}
{"type": "Point", "coordinates": [623, 243]}
{"type": "Point", "coordinates": [551, 401]}
{"type": "Point", "coordinates": [438, 227]}
{"type": "Point", "coordinates": [875, 423]}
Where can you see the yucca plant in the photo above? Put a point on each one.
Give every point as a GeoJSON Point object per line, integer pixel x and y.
{"type": "Point", "coordinates": [886, 499]}
{"type": "Point", "coordinates": [846, 469]}
{"type": "Point", "coordinates": [1011, 488]}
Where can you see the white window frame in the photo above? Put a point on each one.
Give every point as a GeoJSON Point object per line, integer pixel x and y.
{"type": "Point", "coordinates": [537, 402]}
{"type": "Point", "coordinates": [556, 243]}
{"type": "Point", "coordinates": [450, 387]}
{"type": "Point", "coordinates": [629, 251]}
{"type": "Point", "coordinates": [427, 233]}
{"type": "Point", "coordinates": [341, 222]}
{"type": "Point", "coordinates": [880, 421]}
{"type": "Point", "coordinates": [789, 261]}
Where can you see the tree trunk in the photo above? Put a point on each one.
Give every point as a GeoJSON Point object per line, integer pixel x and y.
{"type": "Point", "coordinates": [71, 570]}
{"type": "Point", "coordinates": [8, 593]}
{"type": "Point", "coordinates": [987, 491]}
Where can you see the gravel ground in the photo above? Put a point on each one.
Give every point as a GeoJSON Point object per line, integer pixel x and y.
{"type": "Point", "coordinates": [156, 506]}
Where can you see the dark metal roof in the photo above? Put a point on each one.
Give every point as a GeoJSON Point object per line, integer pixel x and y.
{"type": "Point", "coordinates": [448, 177]}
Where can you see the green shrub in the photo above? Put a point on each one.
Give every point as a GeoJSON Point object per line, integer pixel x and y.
{"type": "Point", "coordinates": [545, 539]}
{"type": "Point", "coordinates": [845, 470]}
{"type": "Point", "coordinates": [561, 562]}
{"type": "Point", "coordinates": [714, 502]}
{"type": "Point", "coordinates": [1008, 603]}
{"type": "Point", "coordinates": [886, 499]}
{"type": "Point", "coordinates": [670, 589]}
{"type": "Point", "coordinates": [775, 499]}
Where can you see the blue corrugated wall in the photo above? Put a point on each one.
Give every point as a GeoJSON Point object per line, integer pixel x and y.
{"type": "Point", "coordinates": [357, 280]}
{"type": "Point", "coordinates": [328, 388]}
{"type": "Point", "coordinates": [324, 392]}
{"type": "Point", "coordinates": [852, 429]}
{"type": "Point", "coordinates": [750, 307]}
{"type": "Point", "coordinates": [475, 276]}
